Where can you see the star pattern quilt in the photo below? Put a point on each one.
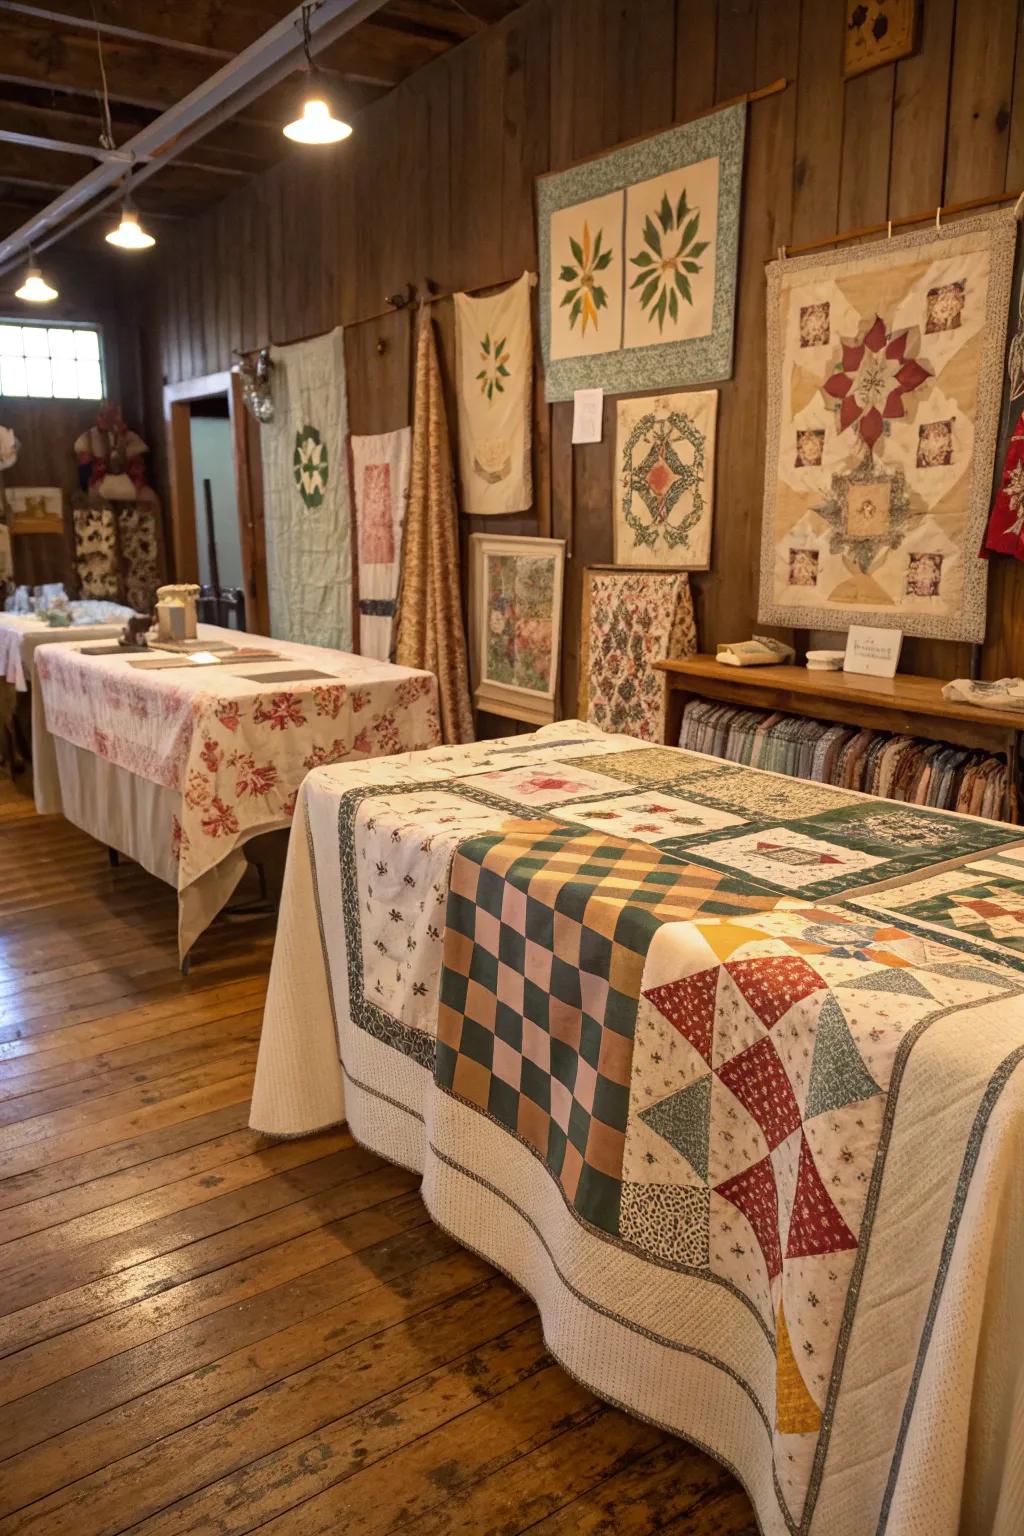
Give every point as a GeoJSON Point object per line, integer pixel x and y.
{"type": "Point", "coordinates": [885, 378]}
{"type": "Point", "coordinates": [657, 1036]}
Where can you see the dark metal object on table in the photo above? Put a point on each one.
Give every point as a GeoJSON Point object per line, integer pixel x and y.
{"type": "Point", "coordinates": [133, 632]}
{"type": "Point", "coordinates": [211, 537]}
{"type": "Point", "coordinates": [221, 607]}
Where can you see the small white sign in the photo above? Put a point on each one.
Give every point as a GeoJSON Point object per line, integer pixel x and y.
{"type": "Point", "coordinates": [587, 415]}
{"type": "Point", "coordinates": [872, 652]}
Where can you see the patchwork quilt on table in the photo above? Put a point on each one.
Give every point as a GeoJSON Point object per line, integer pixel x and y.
{"type": "Point", "coordinates": [588, 988]}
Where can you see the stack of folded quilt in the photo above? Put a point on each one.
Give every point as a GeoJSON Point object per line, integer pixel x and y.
{"type": "Point", "coordinates": [875, 762]}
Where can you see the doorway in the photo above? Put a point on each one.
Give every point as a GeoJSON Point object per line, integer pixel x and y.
{"type": "Point", "coordinates": [216, 494]}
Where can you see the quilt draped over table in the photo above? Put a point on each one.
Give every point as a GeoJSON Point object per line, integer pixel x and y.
{"type": "Point", "coordinates": [306, 495]}
{"type": "Point", "coordinates": [380, 470]}
{"type": "Point", "coordinates": [494, 378]}
{"type": "Point", "coordinates": [590, 990]}
{"type": "Point", "coordinates": [430, 631]}
{"type": "Point", "coordinates": [231, 752]}
{"type": "Point", "coordinates": [884, 382]}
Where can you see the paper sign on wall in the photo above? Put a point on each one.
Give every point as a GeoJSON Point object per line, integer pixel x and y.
{"type": "Point", "coordinates": [587, 415]}
{"type": "Point", "coordinates": [872, 652]}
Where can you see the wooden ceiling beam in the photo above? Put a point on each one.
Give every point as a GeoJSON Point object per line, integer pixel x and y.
{"type": "Point", "coordinates": [39, 50]}
{"type": "Point", "coordinates": [441, 16]}
{"type": "Point", "coordinates": [48, 168]}
{"type": "Point", "coordinates": [218, 30]}
{"type": "Point", "coordinates": [220, 157]}
{"type": "Point", "coordinates": [95, 27]}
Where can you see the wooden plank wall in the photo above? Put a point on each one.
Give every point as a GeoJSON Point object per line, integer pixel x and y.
{"type": "Point", "coordinates": [93, 291]}
{"type": "Point", "coordinates": [438, 182]}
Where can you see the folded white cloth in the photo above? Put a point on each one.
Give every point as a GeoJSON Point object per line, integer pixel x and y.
{"type": "Point", "coordinates": [1007, 693]}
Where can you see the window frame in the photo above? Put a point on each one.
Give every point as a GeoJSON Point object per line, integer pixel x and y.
{"type": "Point", "coordinates": [48, 323]}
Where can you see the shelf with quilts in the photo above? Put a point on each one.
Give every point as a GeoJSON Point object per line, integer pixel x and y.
{"type": "Point", "coordinates": [904, 705]}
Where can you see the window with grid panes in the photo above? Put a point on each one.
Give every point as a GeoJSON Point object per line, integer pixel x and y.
{"type": "Point", "coordinates": [50, 362]}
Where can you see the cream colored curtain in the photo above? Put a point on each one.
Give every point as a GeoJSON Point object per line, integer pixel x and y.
{"type": "Point", "coordinates": [430, 632]}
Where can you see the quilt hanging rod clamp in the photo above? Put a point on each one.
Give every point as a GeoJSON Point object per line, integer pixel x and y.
{"type": "Point", "coordinates": [938, 219]}
{"type": "Point", "coordinates": [401, 300]}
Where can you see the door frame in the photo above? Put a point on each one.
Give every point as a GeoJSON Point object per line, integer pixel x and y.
{"type": "Point", "coordinates": [177, 400]}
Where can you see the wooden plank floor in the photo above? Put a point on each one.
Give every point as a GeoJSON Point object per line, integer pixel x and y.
{"type": "Point", "coordinates": [205, 1331]}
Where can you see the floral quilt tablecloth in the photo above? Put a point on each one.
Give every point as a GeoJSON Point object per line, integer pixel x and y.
{"type": "Point", "coordinates": [233, 748]}
{"type": "Point", "coordinates": [753, 1155]}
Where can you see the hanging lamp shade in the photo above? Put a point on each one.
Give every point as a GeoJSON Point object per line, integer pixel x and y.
{"type": "Point", "coordinates": [316, 122]}
{"type": "Point", "coordinates": [35, 289]}
{"type": "Point", "coordinates": [129, 234]}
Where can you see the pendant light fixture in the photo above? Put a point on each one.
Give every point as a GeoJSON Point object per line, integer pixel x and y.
{"type": "Point", "coordinates": [129, 234]}
{"type": "Point", "coordinates": [35, 289]}
{"type": "Point", "coordinates": [316, 122]}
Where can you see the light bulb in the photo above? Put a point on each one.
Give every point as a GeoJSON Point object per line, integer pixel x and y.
{"type": "Point", "coordinates": [129, 234]}
{"type": "Point", "coordinates": [316, 124]}
{"type": "Point", "coordinates": [35, 288]}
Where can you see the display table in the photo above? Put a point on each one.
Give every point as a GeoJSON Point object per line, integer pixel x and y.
{"type": "Point", "coordinates": [724, 1068]}
{"type": "Point", "coordinates": [178, 769]}
{"type": "Point", "coordinates": [22, 634]}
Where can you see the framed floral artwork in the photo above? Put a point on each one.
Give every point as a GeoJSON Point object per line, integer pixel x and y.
{"type": "Point", "coordinates": [665, 492]}
{"type": "Point", "coordinates": [638, 255]}
{"type": "Point", "coordinates": [884, 379]}
{"type": "Point", "coordinates": [515, 607]}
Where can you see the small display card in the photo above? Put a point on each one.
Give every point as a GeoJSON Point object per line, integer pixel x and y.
{"type": "Point", "coordinates": [872, 652]}
{"type": "Point", "coordinates": [587, 415]}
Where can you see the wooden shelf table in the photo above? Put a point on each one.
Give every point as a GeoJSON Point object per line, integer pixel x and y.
{"type": "Point", "coordinates": [904, 705]}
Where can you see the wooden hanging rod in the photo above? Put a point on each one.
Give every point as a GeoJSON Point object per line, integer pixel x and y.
{"type": "Point", "coordinates": [888, 225]}
{"type": "Point", "coordinates": [746, 97]}
{"type": "Point", "coordinates": [413, 304]}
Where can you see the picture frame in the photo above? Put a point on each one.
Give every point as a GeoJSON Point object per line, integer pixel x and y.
{"type": "Point", "coordinates": [879, 32]}
{"type": "Point", "coordinates": [515, 610]}
{"type": "Point", "coordinates": [35, 508]}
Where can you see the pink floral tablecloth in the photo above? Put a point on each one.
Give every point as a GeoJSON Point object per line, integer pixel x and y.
{"type": "Point", "coordinates": [22, 634]}
{"type": "Point", "coordinates": [235, 750]}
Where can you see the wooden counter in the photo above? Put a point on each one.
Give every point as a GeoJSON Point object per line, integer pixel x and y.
{"type": "Point", "coordinates": [903, 704]}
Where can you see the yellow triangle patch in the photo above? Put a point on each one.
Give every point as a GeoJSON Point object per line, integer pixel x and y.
{"type": "Point", "coordinates": [724, 939]}
{"type": "Point", "coordinates": [796, 1412]}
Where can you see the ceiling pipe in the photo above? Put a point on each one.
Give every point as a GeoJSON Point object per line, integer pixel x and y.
{"type": "Point", "coordinates": [271, 58]}
{"type": "Point", "coordinates": [64, 146]}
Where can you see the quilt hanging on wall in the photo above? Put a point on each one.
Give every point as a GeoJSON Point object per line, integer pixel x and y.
{"type": "Point", "coordinates": [638, 261]}
{"type": "Point", "coordinates": [632, 619]}
{"type": "Point", "coordinates": [306, 495]}
{"type": "Point", "coordinates": [380, 474]}
{"type": "Point", "coordinates": [494, 374]}
{"type": "Point", "coordinates": [515, 608]}
{"type": "Point", "coordinates": [1005, 534]}
{"type": "Point", "coordinates": [665, 462]}
{"type": "Point", "coordinates": [884, 383]}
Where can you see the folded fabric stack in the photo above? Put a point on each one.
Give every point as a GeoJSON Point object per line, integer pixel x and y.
{"type": "Point", "coordinates": [874, 762]}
